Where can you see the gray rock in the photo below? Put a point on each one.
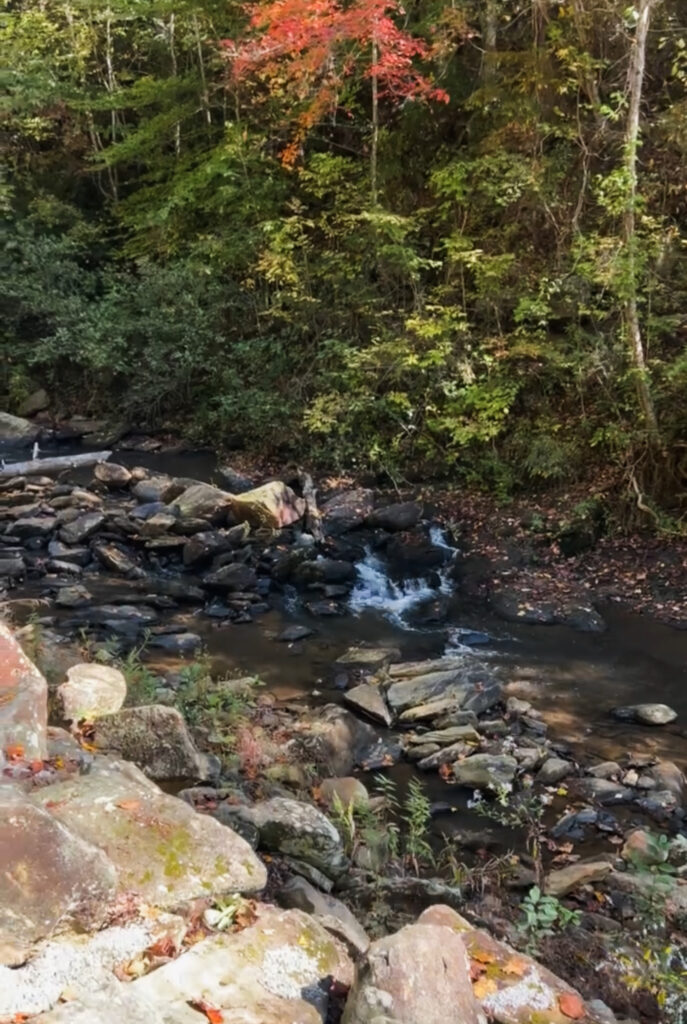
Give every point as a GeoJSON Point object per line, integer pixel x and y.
{"type": "Point", "coordinates": [156, 739]}
{"type": "Point", "coordinates": [73, 597]}
{"type": "Point", "coordinates": [605, 770]}
{"type": "Point", "coordinates": [33, 526]}
{"type": "Point", "coordinates": [554, 770]}
{"type": "Point", "coordinates": [81, 528]}
{"type": "Point", "coordinates": [235, 576]}
{"type": "Point", "coordinates": [157, 489]}
{"type": "Point", "coordinates": [37, 401]}
{"type": "Point", "coordinates": [235, 482]}
{"type": "Point", "coordinates": [647, 714]}
{"type": "Point", "coordinates": [176, 643]}
{"type": "Point", "coordinates": [325, 570]}
{"type": "Point", "coordinates": [92, 690]}
{"type": "Point", "coordinates": [338, 741]}
{"type": "Point", "coordinates": [112, 475]}
{"type": "Point", "coordinates": [294, 633]}
{"type": "Point", "coordinates": [64, 553]}
{"type": "Point", "coordinates": [15, 428]}
{"type": "Point", "coordinates": [347, 510]}
{"type": "Point", "coordinates": [469, 686]}
{"type": "Point", "coordinates": [437, 755]}
{"type": "Point", "coordinates": [331, 913]}
{"type": "Point", "coordinates": [603, 791]}
{"type": "Point", "coordinates": [301, 831]}
{"type": "Point", "coordinates": [202, 547]}
{"type": "Point", "coordinates": [485, 771]}
{"type": "Point", "coordinates": [201, 501]}
{"type": "Point", "coordinates": [367, 658]}
{"type": "Point", "coordinates": [667, 776]}
{"type": "Point", "coordinates": [564, 880]}
{"type": "Point", "coordinates": [116, 559]}
{"type": "Point", "coordinates": [23, 700]}
{"type": "Point", "coordinates": [370, 700]}
{"type": "Point", "coordinates": [13, 567]}
{"type": "Point", "coordinates": [403, 515]}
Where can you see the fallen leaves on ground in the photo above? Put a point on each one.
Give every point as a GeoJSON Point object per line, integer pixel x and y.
{"type": "Point", "coordinates": [571, 1005]}
{"type": "Point", "coordinates": [214, 1015]}
{"type": "Point", "coordinates": [484, 987]}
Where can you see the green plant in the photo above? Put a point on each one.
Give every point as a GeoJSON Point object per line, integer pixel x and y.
{"type": "Point", "coordinates": [416, 814]}
{"type": "Point", "coordinates": [219, 703]}
{"type": "Point", "coordinates": [525, 811]}
{"type": "Point", "coordinates": [543, 915]}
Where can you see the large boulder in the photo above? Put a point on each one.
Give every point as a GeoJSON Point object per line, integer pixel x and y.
{"type": "Point", "coordinates": [347, 511]}
{"type": "Point", "coordinates": [49, 877]}
{"type": "Point", "coordinates": [403, 515]}
{"type": "Point", "coordinates": [159, 846]}
{"type": "Point", "coordinates": [419, 975]}
{"type": "Point", "coordinates": [23, 702]}
{"type": "Point", "coordinates": [92, 690]}
{"type": "Point", "coordinates": [280, 969]}
{"type": "Point", "coordinates": [37, 401]}
{"type": "Point", "coordinates": [463, 684]}
{"type": "Point", "coordinates": [300, 831]}
{"type": "Point", "coordinates": [14, 428]}
{"type": "Point", "coordinates": [201, 501]}
{"type": "Point", "coordinates": [157, 488]}
{"type": "Point", "coordinates": [332, 914]}
{"type": "Point", "coordinates": [155, 738]}
{"type": "Point", "coordinates": [273, 505]}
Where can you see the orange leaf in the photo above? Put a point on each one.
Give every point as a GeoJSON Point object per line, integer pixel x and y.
{"type": "Point", "coordinates": [482, 957]}
{"type": "Point", "coordinates": [484, 987]}
{"type": "Point", "coordinates": [15, 751]}
{"type": "Point", "coordinates": [128, 805]}
{"type": "Point", "coordinates": [165, 946]}
{"type": "Point", "coordinates": [515, 965]}
{"type": "Point", "coordinates": [571, 1005]}
{"type": "Point", "coordinates": [213, 1015]}
{"type": "Point", "coordinates": [36, 766]}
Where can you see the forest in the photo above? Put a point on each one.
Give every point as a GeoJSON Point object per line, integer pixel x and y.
{"type": "Point", "coordinates": [445, 239]}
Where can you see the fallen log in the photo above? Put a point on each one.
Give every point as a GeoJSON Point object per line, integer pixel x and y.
{"type": "Point", "coordinates": [46, 467]}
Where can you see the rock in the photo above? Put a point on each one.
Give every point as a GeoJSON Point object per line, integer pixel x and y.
{"type": "Point", "coordinates": [201, 501]}
{"type": "Point", "coordinates": [160, 847]}
{"type": "Point", "coordinates": [112, 475]}
{"type": "Point", "coordinates": [64, 553]}
{"type": "Point", "coordinates": [368, 658]}
{"type": "Point", "coordinates": [155, 737]}
{"type": "Point", "coordinates": [37, 401]}
{"type": "Point", "coordinates": [347, 511]}
{"type": "Point", "coordinates": [469, 686]}
{"type": "Point", "coordinates": [73, 597]}
{"type": "Point", "coordinates": [564, 880]}
{"type": "Point", "coordinates": [522, 991]}
{"type": "Point", "coordinates": [13, 567]}
{"type": "Point", "coordinates": [647, 714]}
{"type": "Point", "coordinates": [324, 609]}
{"type": "Point", "coordinates": [294, 633]}
{"type": "Point", "coordinates": [331, 913]}
{"type": "Point", "coordinates": [118, 1005]}
{"type": "Point", "coordinates": [338, 741]}
{"type": "Point", "coordinates": [419, 975]}
{"type": "Point", "coordinates": [148, 510]}
{"type": "Point", "coordinates": [15, 428]}
{"type": "Point", "coordinates": [414, 554]}
{"type": "Point", "coordinates": [347, 789]}
{"type": "Point", "coordinates": [157, 488]}
{"type": "Point", "coordinates": [403, 515]}
{"type": "Point", "coordinates": [33, 526]}
{"type": "Point", "coordinates": [202, 547]}
{"type": "Point", "coordinates": [301, 831]}
{"type": "Point", "coordinates": [642, 850]}
{"type": "Point", "coordinates": [431, 756]}
{"type": "Point", "coordinates": [132, 616]}
{"type": "Point", "coordinates": [235, 576]}
{"type": "Point", "coordinates": [279, 969]}
{"type": "Point", "coordinates": [92, 690]}
{"type": "Point", "coordinates": [176, 643]}
{"type": "Point", "coordinates": [324, 570]}
{"type": "Point", "coordinates": [667, 776]}
{"type": "Point", "coordinates": [514, 607]}
{"type": "Point", "coordinates": [370, 700]}
{"type": "Point", "coordinates": [485, 771]}
{"type": "Point", "coordinates": [603, 791]}
{"type": "Point", "coordinates": [605, 770]}
{"type": "Point", "coordinates": [82, 528]}
{"type": "Point", "coordinates": [23, 701]}
{"type": "Point", "coordinates": [553, 770]}
{"type": "Point", "coordinates": [445, 737]}
{"type": "Point", "coordinates": [116, 559]}
{"type": "Point", "coordinates": [274, 505]}
{"type": "Point", "coordinates": [235, 482]}
{"type": "Point", "coordinates": [49, 878]}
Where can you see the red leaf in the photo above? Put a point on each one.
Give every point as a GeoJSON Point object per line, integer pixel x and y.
{"type": "Point", "coordinates": [570, 1004]}
{"type": "Point", "coordinates": [213, 1015]}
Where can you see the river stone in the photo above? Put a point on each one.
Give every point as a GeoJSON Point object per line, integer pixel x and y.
{"type": "Point", "coordinates": [15, 428]}
{"type": "Point", "coordinates": [301, 831]}
{"type": "Point", "coordinates": [91, 691]}
{"type": "Point", "coordinates": [235, 576]}
{"type": "Point", "coordinates": [403, 515]}
{"type": "Point", "coordinates": [370, 700]}
{"type": "Point", "coordinates": [419, 975]}
{"type": "Point", "coordinates": [79, 529]}
{"type": "Point", "coordinates": [176, 643]}
{"type": "Point", "coordinates": [647, 714]}
{"type": "Point", "coordinates": [134, 615]}
{"type": "Point", "coordinates": [203, 546]}
{"type": "Point", "coordinates": [471, 686]}
{"type": "Point", "coordinates": [331, 913]}
{"type": "Point", "coordinates": [49, 877]}
{"type": "Point", "coordinates": [523, 991]}
{"type": "Point", "coordinates": [33, 526]}
{"type": "Point", "coordinates": [112, 475]}
{"type": "Point", "coordinates": [273, 505]}
{"type": "Point", "coordinates": [553, 770]}
{"type": "Point", "coordinates": [160, 847]}
{"type": "Point", "coordinates": [12, 567]}
{"type": "Point", "coordinates": [155, 737]}
{"type": "Point", "coordinates": [75, 596]}
{"type": "Point", "coordinates": [235, 482]}
{"type": "Point", "coordinates": [294, 633]}
{"type": "Point", "coordinates": [279, 969]}
{"type": "Point", "coordinates": [444, 737]}
{"type": "Point", "coordinates": [347, 510]}
{"type": "Point", "coordinates": [430, 755]}
{"type": "Point", "coordinates": [348, 789]}
{"type": "Point", "coordinates": [483, 771]}
{"type": "Point", "coordinates": [324, 570]}
{"type": "Point", "coordinates": [23, 701]}
{"type": "Point", "coordinates": [605, 770]}
{"type": "Point", "coordinates": [641, 849]}
{"type": "Point", "coordinates": [603, 791]}
{"type": "Point", "coordinates": [667, 776]}
{"type": "Point", "coordinates": [157, 488]}
{"type": "Point", "coordinates": [64, 553]}
{"type": "Point", "coordinates": [115, 559]}
{"type": "Point", "coordinates": [338, 741]}
{"type": "Point", "coordinates": [368, 658]}
{"type": "Point", "coordinates": [564, 880]}
{"type": "Point", "coordinates": [201, 501]}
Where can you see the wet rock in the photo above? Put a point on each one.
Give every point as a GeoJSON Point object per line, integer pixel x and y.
{"type": "Point", "coordinates": [116, 559]}
{"type": "Point", "coordinates": [348, 790]}
{"type": "Point", "coordinates": [79, 556]}
{"type": "Point", "coordinates": [157, 740]}
{"type": "Point", "coordinates": [347, 511]}
{"type": "Point", "coordinates": [324, 609]}
{"type": "Point", "coordinates": [301, 831]}
{"type": "Point", "coordinates": [15, 428]}
{"type": "Point", "coordinates": [564, 880]}
{"type": "Point", "coordinates": [13, 567]}
{"type": "Point", "coordinates": [331, 913]}
{"type": "Point", "coordinates": [339, 742]}
{"type": "Point", "coordinates": [23, 701]}
{"type": "Point", "coordinates": [157, 489]}
{"type": "Point", "coordinates": [515, 607]}
{"type": "Point", "coordinates": [403, 515]}
{"type": "Point", "coordinates": [414, 554]}
{"type": "Point", "coordinates": [148, 510]}
{"type": "Point", "coordinates": [667, 776]}
{"type": "Point", "coordinates": [200, 549]}
{"type": "Point", "coordinates": [294, 633]}
{"type": "Point", "coordinates": [452, 734]}
{"type": "Point", "coordinates": [160, 847]}
{"type": "Point", "coordinates": [274, 505]}
{"type": "Point", "coordinates": [646, 714]}
{"type": "Point", "coordinates": [437, 755]}
{"type": "Point", "coordinates": [81, 528]}
{"type": "Point", "coordinates": [73, 597]}
{"type": "Point", "coordinates": [443, 713]}
{"type": "Point", "coordinates": [554, 770]}
{"type": "Point", "coordinates": [232, 577]}
{"type": "Point", "coordinates": [485, 771]}
{"type": "Point", "coordinates": [92, 690]}
{"type": "Point", "coordinates": [419, 975]}
{"type": "Point", "coordinates": [605, 770]}
{"type": "Point", "coordinates": [33, 526]}
{"type": "Point", "coordinates": [201, 501]}
{"type": "Point", "coordinates": [112, 475]}
{"type": "Point", "coordinates": [134, 616]}
{"type": "Point", "coordinates": [370, 700]}
{"type": "Point", "coordinates": [279, 969]}
{"type": "Point", "coordinates": [469, 686]}
{"type": "Point", "coordinates": [49, 878]}
{"type": "Point", "coordinates": [603, 791]}
{"type": "Point", "coordinates": [176, 643]}
{"type": "Point", "coordinates": [176, 590]}
{"type": "Point", "coordinates": [324, 570]}
{"type": "Point", "coordinates": [235, 482]}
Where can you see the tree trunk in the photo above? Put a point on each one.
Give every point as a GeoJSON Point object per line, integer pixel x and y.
{"type": "Point", "coordinates": [375, 126]}
{"type": "Point", "coordinates": [629, 235]}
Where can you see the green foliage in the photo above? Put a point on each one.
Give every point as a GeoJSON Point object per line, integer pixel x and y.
{"type": "Point", "coordinates": [543, 915]}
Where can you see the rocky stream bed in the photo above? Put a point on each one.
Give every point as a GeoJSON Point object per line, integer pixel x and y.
{"type": "Point", "coordinates": [181, 844]}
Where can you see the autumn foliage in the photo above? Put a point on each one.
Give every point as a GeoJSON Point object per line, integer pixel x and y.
{"type": "Point", "coordinates": [311, 50]}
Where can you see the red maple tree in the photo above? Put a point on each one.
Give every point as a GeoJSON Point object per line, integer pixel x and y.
{"type": "Point", "coordinates": [313, 47]}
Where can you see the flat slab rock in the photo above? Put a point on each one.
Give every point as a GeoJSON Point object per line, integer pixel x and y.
{"type": "Point", "coordinates": [159, 846]}
{"type": "Point", "coordinates": [370, 700]}
{"type": "Point", "coordinates": [49, 877]}
{"type": "Point", "coordinates": [23, 701]}
{"type": "Point", "coordinates": [466, 684]}
{"type": "Point", "coordinates": [278, 970]}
